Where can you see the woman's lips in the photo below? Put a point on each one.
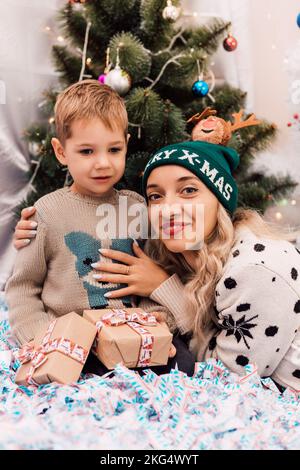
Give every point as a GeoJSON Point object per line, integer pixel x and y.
{"type": "Point", "coordinates": [173, 228]}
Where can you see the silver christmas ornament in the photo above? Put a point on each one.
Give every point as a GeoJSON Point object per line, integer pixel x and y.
{"type": "Point", "coordinates": [170, 12]}
{"type": "Point", "coordinates": [119, 80]}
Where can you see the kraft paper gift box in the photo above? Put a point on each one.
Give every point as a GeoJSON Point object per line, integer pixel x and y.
{"type": "Point", "coordinates": [129, 336]}
{"type": "Point", "coordinates": [58, 353]}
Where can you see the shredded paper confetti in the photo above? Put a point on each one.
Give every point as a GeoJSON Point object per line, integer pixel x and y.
{"type": "Point", "coordinates": [215, 409]}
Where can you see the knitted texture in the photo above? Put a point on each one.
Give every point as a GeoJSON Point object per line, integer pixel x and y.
{"type": "Point", "coordinates": [53, 274]}
{"type": "Point", "coordinates": [213, 164]}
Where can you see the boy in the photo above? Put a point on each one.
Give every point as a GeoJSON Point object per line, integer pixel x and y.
{"type": "Point", "coordinates": [54, 274]}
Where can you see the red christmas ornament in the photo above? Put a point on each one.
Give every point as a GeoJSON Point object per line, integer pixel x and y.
{"type": "Point", "coordinates": [289, 124]}
{"type": "Point", "coordinates": [77, 1]}
{"type": "Point", "coordinates": [296, 116]}
{"type": "Point", "coordinates": [230, 43]}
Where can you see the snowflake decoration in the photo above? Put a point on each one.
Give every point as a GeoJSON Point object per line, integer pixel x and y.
{"type": "Point", "coordinates": [240, 328]}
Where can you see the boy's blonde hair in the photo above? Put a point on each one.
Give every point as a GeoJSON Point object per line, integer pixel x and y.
{"type": "Point", "coordinates": [86, 100]}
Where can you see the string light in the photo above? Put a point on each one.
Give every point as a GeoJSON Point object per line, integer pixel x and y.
{"type": "Point", "coordinates": [51, 120]}
{"type": "Point", "coordinates": [60, 38]}
{"type": "Point", "coordinates": [88, 61]}
{"type": "Point", "coordinates": [293, 202]}
{"type": "Point", "coordinates": [278, 215]}
{"type": "Point", "coordinates": [283, 202]}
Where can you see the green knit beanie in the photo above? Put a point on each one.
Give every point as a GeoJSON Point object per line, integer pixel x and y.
{"type": "Point", "coordinates": [212, 163]}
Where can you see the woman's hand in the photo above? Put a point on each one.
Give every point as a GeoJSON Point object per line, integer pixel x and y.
{"type": "Point", "coordinates": [141, 273]}
{"type": "Point", "coordinates": [25, 229]}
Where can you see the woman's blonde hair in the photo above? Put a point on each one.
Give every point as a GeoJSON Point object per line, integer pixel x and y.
{"type": "Point", "coordinates": [200, 283]}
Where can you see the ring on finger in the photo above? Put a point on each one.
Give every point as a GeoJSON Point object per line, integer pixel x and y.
{"type": "Point", "coordinates": [127, 270]}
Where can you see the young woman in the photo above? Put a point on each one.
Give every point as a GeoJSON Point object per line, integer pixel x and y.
{"type": "Point", "coordinates": [238, 293]}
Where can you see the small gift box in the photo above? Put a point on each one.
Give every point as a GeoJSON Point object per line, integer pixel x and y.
{"type": "Point", "coordinates": [129, 336]}
{"type": "Point", "coordinates": [58, 352]}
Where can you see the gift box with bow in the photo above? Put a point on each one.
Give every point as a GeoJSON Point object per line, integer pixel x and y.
{"type": "Point", "coordinates": [129, 336]}
{"type": "Point", "coordinates": [58, 353]}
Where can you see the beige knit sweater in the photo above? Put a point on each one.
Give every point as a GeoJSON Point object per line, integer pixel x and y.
{"type": "Point", "coordinates": [53, 275]}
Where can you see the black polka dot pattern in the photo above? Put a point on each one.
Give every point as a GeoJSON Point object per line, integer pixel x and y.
{"type": "Point", "coordinates": [294, 274]}
{"type": "Point", "coordinates": [296, 373]}
{"type": "Point", "coordinates": [217, 313]}
{"type": "Point", "coordinates": [259, 247]}
{"type": "Point", "coordinates": [242, 360]}
{"type": "Point", "coordinates": [297, 307]}
{"type": "Point", "coordinates": [243, 307]}
{"type": "Point", "coordinates": [272, 298]}
{"type": "Point", "coordinates": [212, 344]}
{"type": "Point", "coordinates": [230, 283]}
{"type": "Point", "coordinates": [271, 331]}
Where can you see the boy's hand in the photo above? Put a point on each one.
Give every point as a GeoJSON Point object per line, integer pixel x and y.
{"type": "Point", "coordinates": [160, 319]}
{"type": "Point", "coordinates": [25, 229]}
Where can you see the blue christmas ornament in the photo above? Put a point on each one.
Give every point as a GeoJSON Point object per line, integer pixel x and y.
{"type": "Point", "coordinates": [298, 20]}
{"type": "Point", "coordinates": [200, 88]}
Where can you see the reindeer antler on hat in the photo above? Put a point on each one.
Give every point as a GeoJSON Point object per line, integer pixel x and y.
{"type": "Point", "coordinates": [210, 128]}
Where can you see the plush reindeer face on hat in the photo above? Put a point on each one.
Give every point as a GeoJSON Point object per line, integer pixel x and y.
{"type": "Point", "coordinates": [215, 130]}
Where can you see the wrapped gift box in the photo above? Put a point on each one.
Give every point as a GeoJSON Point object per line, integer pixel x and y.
{"type": "Point", "coordinates": [58, 353]}
{"type": "Point", "coordinates": [129, 336]}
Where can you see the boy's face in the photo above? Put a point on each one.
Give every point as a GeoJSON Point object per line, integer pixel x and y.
{"type": "Point", "coordinates": [95, 156]}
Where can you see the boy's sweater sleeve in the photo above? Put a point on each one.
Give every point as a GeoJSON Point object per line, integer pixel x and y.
{"type": "Point", "coordinates": [24, 288]}
{"type": "Point", "coordinates": [256, 313]}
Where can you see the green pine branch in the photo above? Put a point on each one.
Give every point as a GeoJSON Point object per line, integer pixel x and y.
{"type": "Point", "coordinates": [207, 37]}
{"type": "Point", "coordinates": [66, 64]}
{"type": "Point", "coordinates": [135, 166]}
{"type": "Point", "coordinates": [155, 31]}
{"type": "Point", "coordinates": [73, 25]}
{"type": "Point", "coordinates": [249, 141]}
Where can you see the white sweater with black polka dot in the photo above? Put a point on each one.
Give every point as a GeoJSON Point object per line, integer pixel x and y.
{"type": "Point", "coordinates": [257, 306]}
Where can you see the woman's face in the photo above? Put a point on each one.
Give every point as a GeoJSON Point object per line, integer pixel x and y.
{"type": "Point", "coordinates": [182, 210]}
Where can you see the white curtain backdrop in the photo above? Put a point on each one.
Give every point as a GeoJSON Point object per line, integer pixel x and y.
{"type": "Point", "coordinates": [25, 71]}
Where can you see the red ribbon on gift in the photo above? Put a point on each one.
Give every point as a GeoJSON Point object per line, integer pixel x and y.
{"type": "Point", "coordinates": [134, 320]}
{"type": "Point", "coordinates": [38, 356]}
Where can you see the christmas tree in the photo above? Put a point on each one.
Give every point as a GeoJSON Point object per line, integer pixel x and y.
{"type": "Point", "coordinates": [137, 47]}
